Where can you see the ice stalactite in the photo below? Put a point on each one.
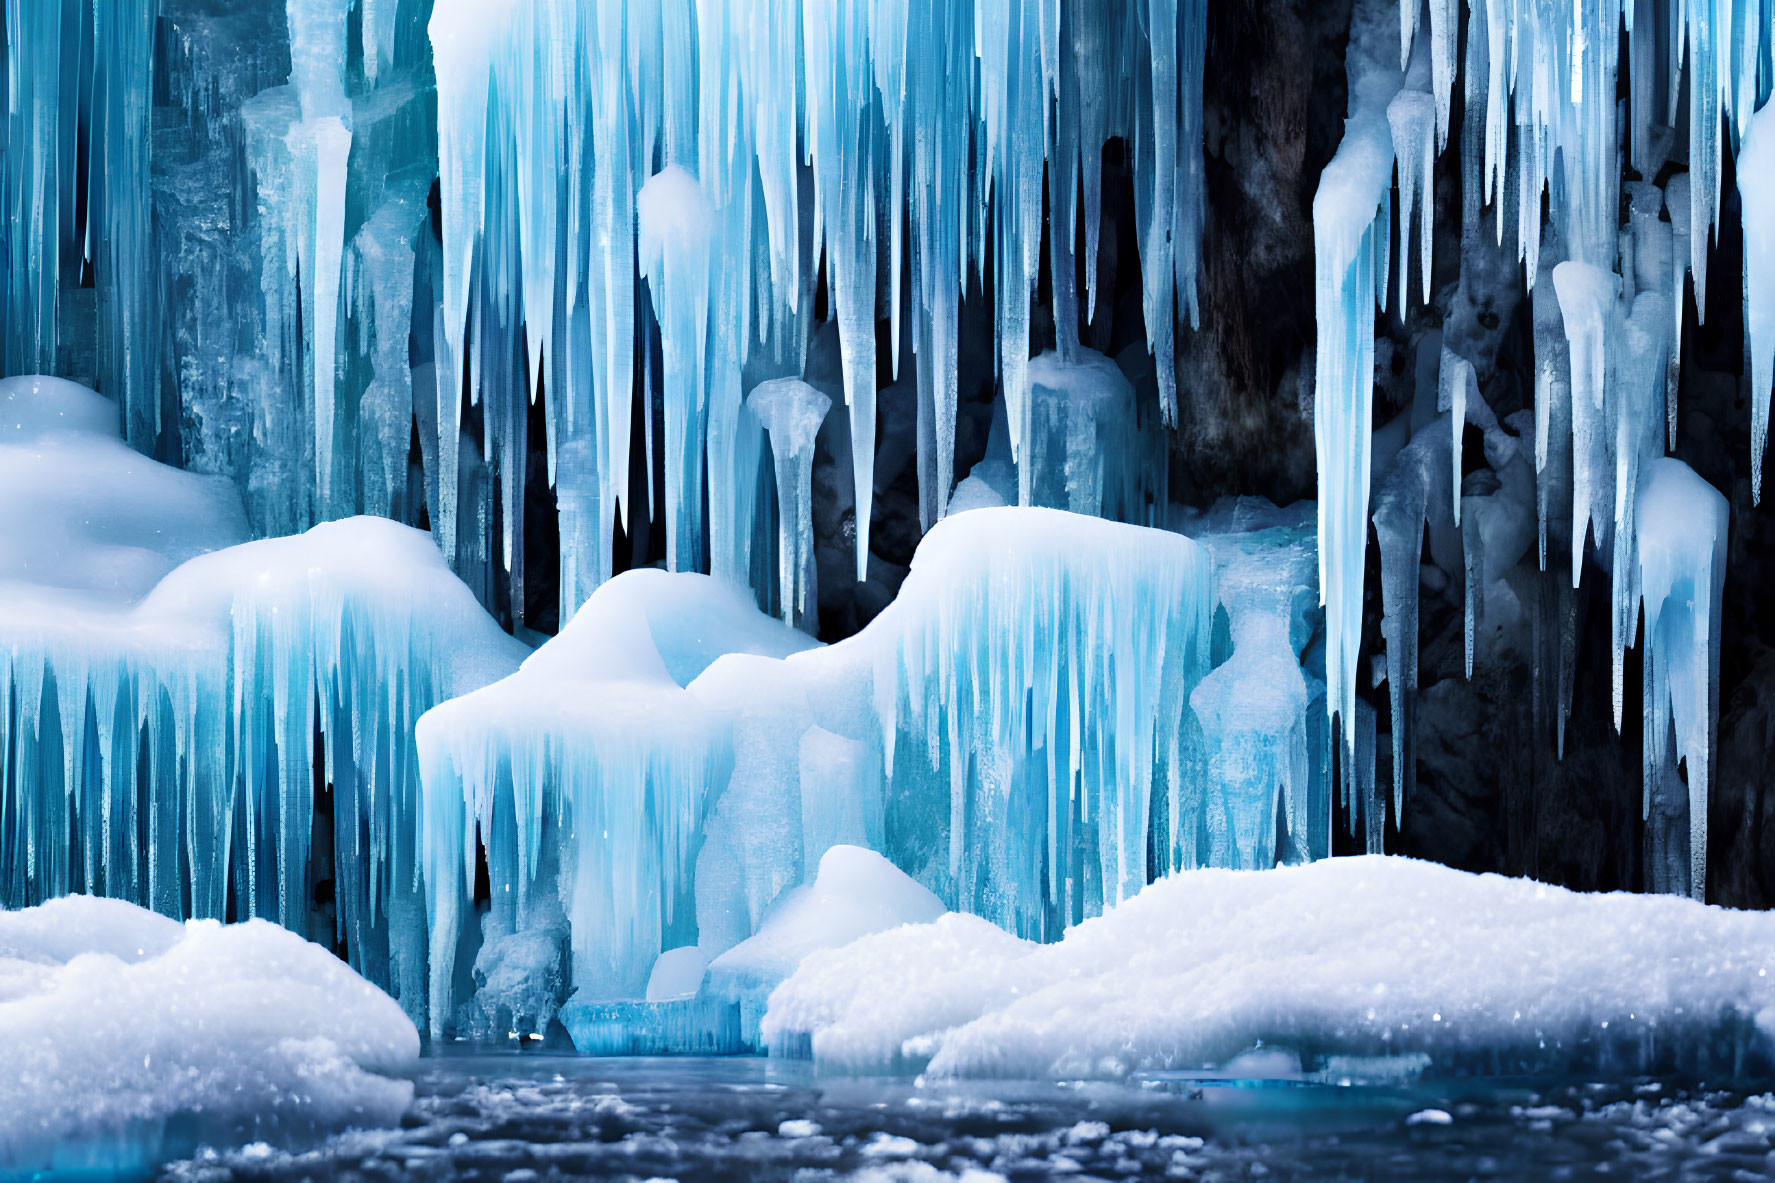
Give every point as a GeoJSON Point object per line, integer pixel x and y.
{"type": "Point", "coordinates": [1454, 384]}
{"type": "Point", "coordinates": [1638, 438]}
{"type": "Point", "coordinates": [1587, 299]}
{"type": "Point", "coordinates": [1351, 226]}
{"type": "Point", "coordinates": [1412, 117]}
{"type": "Point", "coordinates": [1171, 236]}
{"type": "Point", "coordinates": [321, 141]}
{"type": "Point", "coordinates": [791, 411]}
{"type": "Point", "coordinates": [379, 294]}
{"type": "Point", "coordinates": [676, 258]}
{"type": "Point", "coordinates": [1411, 491]}
{"type": "Point", "coordinates": [1681, 542]}
{"type": "Point", "coordinates": [1756, 189]}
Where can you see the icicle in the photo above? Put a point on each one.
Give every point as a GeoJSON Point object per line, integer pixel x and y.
{"type": "Point", "coordinates": [1587, 298]}
{"type": "Point", "coordinates": [1349, 215]}
{"type": "Point", "coordinates": [1413, 120]}
{"type": "Point", "coordinates": [1756, 188]}
{"type": "Point", "coordinates": [791, 412]}
{"type": "Point", "coordinates": [1682, 569]}
{"type": "Point", "coordinates": [1455, 379]}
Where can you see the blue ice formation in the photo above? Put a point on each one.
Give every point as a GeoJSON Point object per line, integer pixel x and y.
{"type": "Point", "coordinates": [1541, 123]}
{"type": "Point", "coordinates": [172, 694]}
{"type": "Point", "coordinates": [245, 188]}
{"type": "Point", "coordinates": [1014, 731]}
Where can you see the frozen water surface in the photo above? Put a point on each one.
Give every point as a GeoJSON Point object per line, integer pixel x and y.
{"type": "Point", "coordinates": [524, 1117]}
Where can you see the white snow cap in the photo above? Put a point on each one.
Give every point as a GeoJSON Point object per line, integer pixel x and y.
{"type": "Point", "coordinates": [128, 1034]}
{"type": "Point", "coordinates": [1355, 956]}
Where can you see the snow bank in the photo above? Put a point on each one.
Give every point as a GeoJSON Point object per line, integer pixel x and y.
{"type": "Point", "coordinates": [130, 1036]}
{"type": "Point", "coordinates": [1368, 956]}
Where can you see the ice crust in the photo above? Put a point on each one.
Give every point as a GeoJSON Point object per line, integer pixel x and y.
{"type": "Point", "coordinates": [130, 1036]}
{"type": "Point", "coordinates": [1329, 959]}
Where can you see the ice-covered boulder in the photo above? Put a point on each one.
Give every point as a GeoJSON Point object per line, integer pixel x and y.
{"type": "Point", "coordinates": [1356, 957]}
{"type": "Point", "coordinates": [130, 1037]}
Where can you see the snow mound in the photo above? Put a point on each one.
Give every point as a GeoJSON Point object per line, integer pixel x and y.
{"type": "Point", "coordinates": [1370, 956]}
{"type": "Point", "coordinates": [130, 1036]}
{"type": "Point", "coordinates": [856, 892]}
{"type": "Point", "coordinates": [83, 512]}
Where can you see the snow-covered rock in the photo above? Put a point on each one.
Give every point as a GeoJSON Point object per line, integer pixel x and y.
{"type": "Point", "coordinates": [1357, 957]}
{"type": "Point", "coordinates": [129, 1036]}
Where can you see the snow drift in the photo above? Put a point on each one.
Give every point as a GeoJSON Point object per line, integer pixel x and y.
{"type": "Point", "coordinates": [130, 1036]}
{"type": "Point", "coordinates": [1358, 957]}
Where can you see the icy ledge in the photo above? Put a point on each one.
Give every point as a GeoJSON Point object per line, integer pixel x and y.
{"type": "Point", "coordinates": [1356, 957]}
{"type": "Point", "coordinates": [130, 1036]}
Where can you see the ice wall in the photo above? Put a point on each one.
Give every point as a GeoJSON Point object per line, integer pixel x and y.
{"type": "Point", "coordinates": [903, 139]}
{"type": "Point", "coordinates": [172, 699]}
{"type": "Point", "coordinates": [1013, 731]}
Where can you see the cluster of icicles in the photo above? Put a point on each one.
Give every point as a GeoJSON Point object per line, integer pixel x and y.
{"type": "Point", "coordinates": [906, 148]}
{"type": "Point", "coordinates": [1541, 121]}
{"type": "Point", "coordinates": [903, 142]}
